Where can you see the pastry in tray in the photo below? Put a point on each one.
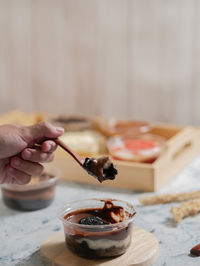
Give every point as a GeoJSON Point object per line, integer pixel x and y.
{"type": "Point", "coordinates": [19, 117]}
{"type": "Point", "coordinates": [143, 148]}
{"type": "Point", "coordinates": [73, 122]}
{"type": "Point", "coordinates": [85, 142]}
{"type": "Point", "coordinates": [112, 127]}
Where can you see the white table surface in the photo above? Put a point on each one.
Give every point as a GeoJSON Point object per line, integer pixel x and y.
{"type": "Point", "coordinates": [22, 232]}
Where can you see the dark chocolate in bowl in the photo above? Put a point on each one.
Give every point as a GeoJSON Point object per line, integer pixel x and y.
{"type": "Point", "coordinates": [112, 238]}
{"type": "Point", "coordinates": [38, 194]}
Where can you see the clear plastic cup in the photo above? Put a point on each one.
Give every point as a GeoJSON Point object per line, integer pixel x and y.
{"type": "Point", "coordinates": [113, 127]}
{"type": "Point", "coordinates": [97, 241]}
{"type": "Point", "coordinates": [36, 195]}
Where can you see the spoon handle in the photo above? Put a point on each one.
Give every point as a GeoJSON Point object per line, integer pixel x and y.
{"type": "Point", "coordinates": [78, 158]}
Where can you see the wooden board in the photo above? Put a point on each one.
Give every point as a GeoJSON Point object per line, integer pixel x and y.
{"type": "Point", "coordinates": [182, 146]}
{"type": "Point", "coordinates": [142, 252]}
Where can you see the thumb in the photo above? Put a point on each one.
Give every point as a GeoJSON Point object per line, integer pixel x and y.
{"type": "Point", "coordinates": [41, 131]}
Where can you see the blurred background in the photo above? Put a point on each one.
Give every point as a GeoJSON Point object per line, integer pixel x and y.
{"type": "Point", "coordinates": [115, 58]}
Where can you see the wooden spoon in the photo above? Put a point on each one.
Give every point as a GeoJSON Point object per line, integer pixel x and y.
{"type": "Point", "coordinates": [100, 168]}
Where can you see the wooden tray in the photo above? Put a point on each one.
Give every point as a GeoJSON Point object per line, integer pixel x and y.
{"type": "Point", "coordinates": [142, 252]}
{"type": "Point", "coordinates": [182, 146]}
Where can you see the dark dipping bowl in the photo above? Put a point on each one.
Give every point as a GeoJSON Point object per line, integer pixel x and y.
{"type": "Point", "coordinates": [38, 194]}
{"type": "Point", "coordinates": [96, 241]}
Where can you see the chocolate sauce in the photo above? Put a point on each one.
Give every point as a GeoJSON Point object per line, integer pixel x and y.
{"type": "Point", "coordinates": [110, 213]}
{"type": "Point", "coordinates": [99, 241]}
{"type": "Point", "coordinates": [101, 168]}
{"type": "Point", "coordinates": [72, 119]}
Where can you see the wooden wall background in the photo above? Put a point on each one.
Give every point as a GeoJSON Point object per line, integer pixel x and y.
{"type": "Point", "coordinates": [122, 58]}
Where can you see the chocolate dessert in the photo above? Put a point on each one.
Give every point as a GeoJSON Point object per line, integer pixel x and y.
{"type": "Point", "coordinates": [73, 123]}
{"type": "Point", "coordinates": [101, 168]}
{"type": "Point", "coordinates": [99, 232]}
{"type": "Point", "coordinates": [38, 194]}
{"type": "Point", "coordinates": [112, 127]}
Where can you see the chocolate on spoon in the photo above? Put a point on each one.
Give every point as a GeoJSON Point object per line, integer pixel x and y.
{"type": "Point", "coordinates": [100, 168]}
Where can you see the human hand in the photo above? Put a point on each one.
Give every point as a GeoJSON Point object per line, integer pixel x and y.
{"type": "Point", "coordinates": [19, 158]}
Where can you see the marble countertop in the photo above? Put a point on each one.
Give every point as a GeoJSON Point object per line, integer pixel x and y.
{"type": "Point", "coordinates": [22, 232]}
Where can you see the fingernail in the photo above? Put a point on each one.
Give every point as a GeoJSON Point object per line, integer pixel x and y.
{"type": "Point", "coordinates": [59, 129]}
{"type": "Point", "coordinates": [16, 162]}
{"type": "Point", "coordinates": [27, 154]}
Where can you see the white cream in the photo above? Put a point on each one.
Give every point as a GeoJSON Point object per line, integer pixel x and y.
{"type": "Point", "coordinates": [105, 243]}
{"type": "Point", "coordinates": [125, 154]}
{"type": "Point", "coordinates": [149, 152]}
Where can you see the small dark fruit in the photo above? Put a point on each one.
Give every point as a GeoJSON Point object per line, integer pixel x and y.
{"type": "Point", "coordinates": [110, 172]}
{"type": "Point", "coordinates": [92, 220]}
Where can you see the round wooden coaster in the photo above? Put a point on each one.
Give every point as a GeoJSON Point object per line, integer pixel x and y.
{"type": "Point", "coordinates": [142, 252]}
